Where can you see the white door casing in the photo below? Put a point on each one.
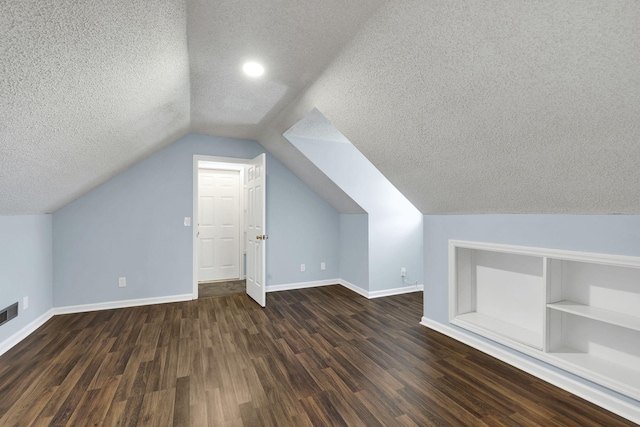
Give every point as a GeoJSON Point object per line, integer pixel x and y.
{"type": "Point", "coordinates": [218, 224]}
{"type": "Point", "coordinates": [255, 224]}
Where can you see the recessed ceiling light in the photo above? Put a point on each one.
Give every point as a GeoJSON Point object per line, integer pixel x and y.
{"type": "Point", "coordinates": [253, 69]}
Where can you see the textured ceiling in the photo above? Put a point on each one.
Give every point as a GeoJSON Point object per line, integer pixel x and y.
{"type": "Point", "coordinates": [295, 40]}
{"type": "Point", "coordinates": [466, 106]}
{"type": "Point", "coordinates": [86, 90]}
{"type": "Point", "coordinates": [316, 126]}
{"type": "Point", "coordinates": [493, 106]}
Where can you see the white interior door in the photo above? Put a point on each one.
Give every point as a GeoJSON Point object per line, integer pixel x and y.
{"type": "Point", "coordinates": [256, 236]}
{"type": "Point", "coordinates": [218, 224]}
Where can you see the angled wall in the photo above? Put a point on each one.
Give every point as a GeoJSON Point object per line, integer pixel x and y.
{"type": "Point", "coordinates": [394, 224]}
{"type": "Point", "coordinates": [25, 271]}
{"type": "Point", "coordinates": [132, 226]}
{"type": "Point", "coordinates": [354, 249]}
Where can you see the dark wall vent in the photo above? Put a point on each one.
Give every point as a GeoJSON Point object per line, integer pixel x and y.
{"type": "Point", "coordinates": [8, 313]}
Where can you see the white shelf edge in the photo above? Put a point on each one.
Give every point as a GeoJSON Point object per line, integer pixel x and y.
{"type": "Point", "coordinates": [498, 330]}
{"type": "Point", "coordinates": [599, 314]}
{"type": "Point", "coordinates": [559, 254]}
{"type": "Point", "coordinates": [614, 376]}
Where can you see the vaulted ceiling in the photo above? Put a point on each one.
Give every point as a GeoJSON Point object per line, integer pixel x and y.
{"type": "Point", "coordinates": [467, 107]}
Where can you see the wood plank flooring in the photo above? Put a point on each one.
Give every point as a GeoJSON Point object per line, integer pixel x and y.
{"type": "Point", "coordinates": [221, 288]}
{"type": "Point", "coordinates": [321, 357]}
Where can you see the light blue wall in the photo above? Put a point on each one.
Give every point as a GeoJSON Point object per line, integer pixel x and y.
{"type": "Point", "coordinates": [395, 242]}
{"type": "Point", "coordinates": [354, 249]}
{"type": "Point", "coordinates": [612, 234]}
{"type": "Point", "coordinates": [133, 226]}
{"type": "Point", "coordinates": [303, 229]}
{"type": "Point", "coordinates": [25, 268]}
{"type": "Point", "coordinates": [395, 225]}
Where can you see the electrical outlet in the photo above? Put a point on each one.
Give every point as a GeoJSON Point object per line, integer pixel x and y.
{"type": "Point", "coordinates": [323, 266]}
{"type": "Point", "coordinates": [403, 272]}
{"type": "Point", "coordinates": [303, 267]}
{"type": "Point", "coordinates": [187, 221]}
{"type": "Point", "coordinates": [122, 282]}
{"type": "Point", "coordinates": [25, 303]}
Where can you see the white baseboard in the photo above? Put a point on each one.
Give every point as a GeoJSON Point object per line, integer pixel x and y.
{"type": "Point", "coordinates": [604, 400]}
{"type": "Point", "coordinates": [14, 339]}
{"type": "Point", "coordinates": [354, 288]}
{"type": "Point", "coordinates": [348, 285]}
{"type": "Point", "coordinates": [396, 291]}
{"type": "Point", "coordinates": [301, 285]}
{"type": "Point", "coordinates": [121, 304]}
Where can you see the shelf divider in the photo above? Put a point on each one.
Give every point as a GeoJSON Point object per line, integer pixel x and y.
{"type": "Point", "coordinates": [595, 313]}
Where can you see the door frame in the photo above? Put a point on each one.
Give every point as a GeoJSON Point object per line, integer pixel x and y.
{"type": "Point", "coordinates": [220, 163]}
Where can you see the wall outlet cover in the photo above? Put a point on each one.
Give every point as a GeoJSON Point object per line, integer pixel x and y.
{"type": "Point", "coordinates": [303, 267]}
{"type": "Point", "coordinates": [122, 282]}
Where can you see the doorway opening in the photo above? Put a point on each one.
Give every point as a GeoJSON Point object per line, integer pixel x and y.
{"type": "Point", "coordinates": [219, 217]}
{"type": "Point", "coordinates": [228, 226]}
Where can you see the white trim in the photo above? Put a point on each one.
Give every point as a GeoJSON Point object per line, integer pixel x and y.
{"type": "Point", "coordinates": [354, 288]}
{"type": "Point", "coordinates": [396, 291]}
{"type": "Point", "coordinates": [121, 304]}
{"type": "Point", "coordinates": [606, 401]}
{"type": "Point", "coordinates": [302, 285]}
{"type": "Point", "coordinates": [592, 257]}
{"type": "Point", "coordinates": [225, 163]}
{"type": "Point", "coordinates": [14, 339]}
{"type": "Point", "coordinates": [453, 279]}
{"type": "Point", "coordinates": [348, 285]}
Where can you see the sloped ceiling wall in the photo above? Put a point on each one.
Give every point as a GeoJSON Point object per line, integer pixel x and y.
{"type": "Point", "coordinates": [295, 40]}
{"type": "Point", "coordinates": [87, 89]}
{"type": "Point", "coordinates": [466, 106]}
{"type": "Point", "coordinates": [493, 106]}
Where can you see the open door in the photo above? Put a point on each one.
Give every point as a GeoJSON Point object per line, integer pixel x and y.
{"type": "Point", "coordinates": [256, 236]}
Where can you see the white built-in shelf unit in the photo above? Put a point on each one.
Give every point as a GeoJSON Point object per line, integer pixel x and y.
{"type": "Point", "coordinates": [575, 310]}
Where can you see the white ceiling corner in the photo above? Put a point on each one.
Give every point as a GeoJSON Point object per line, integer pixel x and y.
{"type": "Point", "coordinates": [316, 126]}
{"type": "Point", "coordinates": [294, 41]}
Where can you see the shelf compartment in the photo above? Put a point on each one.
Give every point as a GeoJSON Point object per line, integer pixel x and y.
{"type": "Point", "coordinates": [574, 310]}
{"type": "Point", "coordinates": [620, 378]}
{"type": "Point", "coordinates": [599, 314]}
{"type": "Point", "coordinates": [607, 287]}
{"type": "Point", "coordinates": [496, 329]}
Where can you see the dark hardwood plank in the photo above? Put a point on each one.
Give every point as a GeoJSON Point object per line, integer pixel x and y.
{"type": "Point", "coordinates": [321, 356]}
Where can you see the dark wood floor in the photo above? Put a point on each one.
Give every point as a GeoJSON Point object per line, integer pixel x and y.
{"type": "Point", "coordinates": [221, 288]}
{"type": "Point", "coordinates": [322, 356]}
